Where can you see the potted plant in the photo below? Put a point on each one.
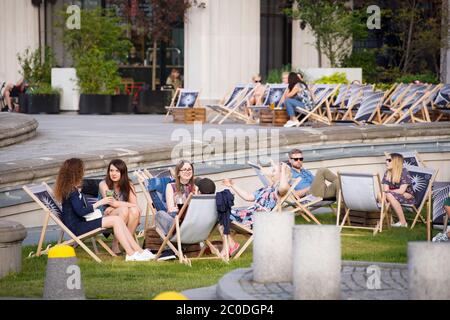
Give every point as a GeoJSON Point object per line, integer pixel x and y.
{"type": "Point", "coordinates": [96, 57]}
{"type": "Point", "coordinates": [36, 70]}
{"type": "Point", "coordinates": [122, 102]}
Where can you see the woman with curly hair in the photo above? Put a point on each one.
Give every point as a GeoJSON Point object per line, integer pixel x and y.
{"type": "Point", "coordinates": [75, 208]}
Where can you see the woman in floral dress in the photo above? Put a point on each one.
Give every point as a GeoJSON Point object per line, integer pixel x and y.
{"type": "Point", "coordinates": [264, 199]}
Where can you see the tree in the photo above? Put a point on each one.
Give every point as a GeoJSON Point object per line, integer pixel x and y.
{"type": "Point", "coordinates": [333, 25]}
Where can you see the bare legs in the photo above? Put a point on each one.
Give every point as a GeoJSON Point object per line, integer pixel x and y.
{"type": "Point", "coordinates": [122, 234]}
{"type": "Point", "coordinates": [130, 217]}
{"type": "Point", "coordinates": [7, 95]}
{"type": "Point", "coordinates": [397, 208]}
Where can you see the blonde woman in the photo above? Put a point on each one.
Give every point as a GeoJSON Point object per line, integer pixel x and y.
{"type": "Point", "coordinates": [397, 185]}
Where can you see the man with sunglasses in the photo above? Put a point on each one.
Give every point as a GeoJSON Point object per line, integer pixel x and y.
{"type": "Point", "coordinates": [310, 184]}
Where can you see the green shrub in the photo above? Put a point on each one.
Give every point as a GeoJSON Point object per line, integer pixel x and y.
{"type": "Point", "coordinates": [45, 89]}
{"type": "Point", "coordinates": [366, 60]}
{"type": "Point", "coordinates": [36, 68]}
{"type": "Point", "coordinates": [424, 78]}
{"type": "Point", "coordinates": [275, 75]}
{"type": "Point", "coordinates": [335, 78]}
{"type": "Point", "coordinates": [383, 86]}
{"type": "Point", "coordinates": [96, 74]}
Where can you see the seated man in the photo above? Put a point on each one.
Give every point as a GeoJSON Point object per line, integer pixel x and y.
{"type": "Point", "coordinates": [13, 91]}
{"type": "Point", "coordinates": [445, 234]}
{"type": "Point", "coordinates": [310, 184]}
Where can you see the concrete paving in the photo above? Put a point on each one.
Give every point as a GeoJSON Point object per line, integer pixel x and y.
{"type": "Point", "coordinates": [147, 139]}
{"type": "Point", "coordinates": [393, 285]}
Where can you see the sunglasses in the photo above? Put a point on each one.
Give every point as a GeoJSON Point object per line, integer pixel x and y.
{"type": "Point", "coordinates": [297, 159]}
{"type": "Point", "coordinates": [257, 81]}
{"type": "Point", "coordinates": [388, 160]}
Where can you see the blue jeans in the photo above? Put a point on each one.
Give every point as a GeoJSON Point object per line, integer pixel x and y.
{"type": "Point", "coordinates": [165, 220]}
{"type": "Point", "coordinates": [291, 104]}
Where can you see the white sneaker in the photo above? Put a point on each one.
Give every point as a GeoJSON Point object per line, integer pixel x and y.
{"type": "Point", "coordinates": [136, 257]}
{"type": "Point", "coordinates": [440, 237]}
{"type": "Point", "coordinates": [290, 124]}
{"type": "Point", "coordinates": [399, 225]}
{"type": "Point", "coordinates": [147, 253]}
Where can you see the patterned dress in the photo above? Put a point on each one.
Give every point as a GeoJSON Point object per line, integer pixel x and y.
{"type": "Point", "coordinates": [265, 201]}
{"type": "Point", "coordinates": [405, 178]}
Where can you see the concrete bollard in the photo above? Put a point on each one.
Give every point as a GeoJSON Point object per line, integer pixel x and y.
{"type": "Point", "coordinates": [272, 247]}
{"type": "Point", "coordinates": [63, 276]}
{"type": "Point", "coordinates": [11, 237]}
{"type": "Point", "coordinates": [316, 263]}
{"type": "Point", "coordinates": [429, 271]}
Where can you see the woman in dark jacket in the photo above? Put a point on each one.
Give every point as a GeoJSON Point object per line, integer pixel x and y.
{"type": "Point", "coordinates": [75, 209]}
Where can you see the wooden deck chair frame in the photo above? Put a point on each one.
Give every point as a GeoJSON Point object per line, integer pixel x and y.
{"type": "Point", "coordinates": [411, 111]}
{"type": "Point", "coordinates": [427, 197]}
{"type": "Point", "coordinates": [365, 91]}
{"type": "Point", "coordinates": [352, 93]}
{"type": "Point", "coordinates": [266, 103]}
{"type": "Point", "coordinates": [175, 231]}
{"type": "Point", "coordinates": [341, 203]}
{"type": "Point", "coordinates": [315, 113]}
{"type": "Point", "coordinates": [397, 95]}
{"type": "Point", "coordinates": [175, 101]}
{"type": "Point", "coordinates": [291, 199]}
{"type": "Point", "coordinates": [229, 103]}
{"type": "Point", "coordinates": [236, 112]}
{"type": "Point", "coordinates": [94, 234]}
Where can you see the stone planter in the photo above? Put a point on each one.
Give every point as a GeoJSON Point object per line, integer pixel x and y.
{"type": "Point", "coordinates": [153, 102]}
{"type": "Point", "coordinates": [122, 103]}
{"type": "Point", "coordinates": [11, 237]}
{"type": "Point", "coordinates": [95, 104]}
{"type": "Point", "coordinates": [42, 103]}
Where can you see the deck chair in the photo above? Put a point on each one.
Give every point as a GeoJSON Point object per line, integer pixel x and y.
{"type": "Point", "coordinates": [348, 98]}
{"type": "Point", "coordinates": [416, 102]}
{"type": "Point", "coordinates": [400, 91]}
{"type": "Point", "coordinates": [422, 182]}
{"type": "Point", "coordinates": [3, 106]}
{"type": "Point", "coordinates": [183, 98]}
{"type": "Point", "coordinates": [360, 192]}
{"type": "Point", "coordinates": [237, 111]}
{"type": "Point", "coordinates": [441, 103]}
{"type": "Point", "coordinates": [259, 172]}
{"type": "Point", "coordinates": [229, 102]}
{"type": "Point", "coordinates": [42, 194]}
{"type": "Point", "coordinates": [410, 158]}
{"type": "Point", "coordinates": [441, 190]}
{"type": "Point", "coordinates": [322, 100]}
{"type": "Point", "coordinates": [273, 97]}
{"type": "Point", "coordinates": [199, 217]}
{"type": "Point", "coordinates": [369, 110]}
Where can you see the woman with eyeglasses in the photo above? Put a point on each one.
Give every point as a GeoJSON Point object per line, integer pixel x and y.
{"type": "Point", "coordinates": [397, 185]}
{"type": "Point", "coordinates": [177, 194]}
{"type": "Point", "coordinates": [258, 93]}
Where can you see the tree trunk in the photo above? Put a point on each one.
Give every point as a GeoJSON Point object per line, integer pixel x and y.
{"type": "Point", "coordinates": [319, 51]}
{"type": "Point", "coordinates": [410, 31]}
{"type": "Point", "coordinates": [445, 48]}
{"type": "Point", "coordinates": [155, 45]}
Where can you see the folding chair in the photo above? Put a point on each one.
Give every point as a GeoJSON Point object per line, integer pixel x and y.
{"type": "Point", "coordinates": [275, 93]}
{"type": "Point", "coordinates": [42, 194]}
{"type": "Point", "coordinates": [441, 103]}
{"type": "Point", "coordinates": [360, 192]}
{"type": "Point", "coordinates": [441, 191]}
{"type": "Point", "coordinates": [323, 99]}
{"type": "Point", "coordinates": [229, 102]}
{"type": "Point", "coordinates": [369, 110]}
{"type": "Point", "coordinates": [183, 99]}
{"type": "Point", "coordinates": [410, 158]}
{"type": "Point", "coordinates": [199, 217]}
{"type": "Point", "coordinates": [417, 101]}
{"type": "Point", "coordinates": [422, 182]}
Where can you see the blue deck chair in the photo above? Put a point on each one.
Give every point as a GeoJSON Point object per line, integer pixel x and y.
{"type": "Point", "coordinates": [441, 103]}
{"type": "Point", "coordinates": [273, 97]}
{"type": "Point", "coordinates": [441, 191]}
{"type": "Point", "coordinates": [183, 98]}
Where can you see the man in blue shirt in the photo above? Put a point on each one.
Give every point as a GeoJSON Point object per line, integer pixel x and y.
{"type": "Point", "coordinates": [310, 184]}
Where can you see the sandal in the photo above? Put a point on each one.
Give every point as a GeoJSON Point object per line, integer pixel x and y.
{"type": "Point", "coordinates": [234, 250]}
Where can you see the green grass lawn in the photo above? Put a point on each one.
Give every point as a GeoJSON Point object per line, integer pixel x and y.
{"type": "Point", "coordinates": [116, 279]}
